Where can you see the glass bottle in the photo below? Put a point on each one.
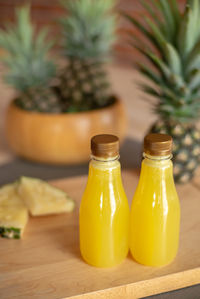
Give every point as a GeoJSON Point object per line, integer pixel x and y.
{"type": "Point", "coordinates": [104, 210]}
{"type": "Point", "coordinates": [155, 210]}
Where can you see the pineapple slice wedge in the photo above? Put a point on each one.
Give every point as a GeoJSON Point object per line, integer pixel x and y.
{"type": "Point", "coordinates": [13, 212]}
{"type": "Point", "coordinates": [42, 198]}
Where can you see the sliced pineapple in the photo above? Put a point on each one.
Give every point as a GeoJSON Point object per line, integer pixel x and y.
{"type": "Point", "coordinates": [42, 198]}
{"type": "Point", "coordinates": [13, 212]}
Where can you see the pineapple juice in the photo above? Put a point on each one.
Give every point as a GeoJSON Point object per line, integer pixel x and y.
{"type": "Point", "coordinates": [104, 215]}
{"type": "Point", "coordinates": [155, 213]}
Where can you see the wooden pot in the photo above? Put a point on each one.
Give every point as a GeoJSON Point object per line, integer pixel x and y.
{"type": "Point", "coordinates": [61, 138]}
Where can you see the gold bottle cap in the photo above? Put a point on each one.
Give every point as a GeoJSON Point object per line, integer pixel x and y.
{"type": "Point", "coordinates": [158, 145]}
{"type": "Point", "coordinates": [105, 146]}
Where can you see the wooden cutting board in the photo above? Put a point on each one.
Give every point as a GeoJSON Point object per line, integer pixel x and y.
{"type": "Point", "coordinates": [47, 262]}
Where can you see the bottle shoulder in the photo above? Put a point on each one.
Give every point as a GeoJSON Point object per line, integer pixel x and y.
{"type": "Point", "coordinates": [104, 182]}
{"type": "Point", "coordinates": [156, 182]}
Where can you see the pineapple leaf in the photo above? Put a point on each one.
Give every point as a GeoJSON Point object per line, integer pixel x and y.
{"type": "Point", "coordinates": [195, 7]}
{"type": "Point", "coordinates": [41, 42]}
{"type": "Point", "coordinates": [150, 57]}
{"type": "Point", "coordinates": [173, 59]}
{"type": "Point", "coordinates": [175, 11]}
{"type": "Point", "coordinates": [88, 29]}
{"type": "Point", "coordinates": [159, 37]}
{"type": "Point", "coordinates": [153, 14]}
{"type": "Point", "coordinates": [25, 29]}
{"type": "Point", "coordinates": [143, 30]}
{"type": "Point", "coordinates": [172, 78]}
{"type": "Point", "coordinates": [167, 92]}
{"type": "Point", "coordinates": [147, 72]}
{"type": "Point", "coordinates": [169, 17]}
{"type": "Point", "coordinates": [193, 60]}
{"type": "Point", "coordinates": [194, 80]}
{"type": "Point", "coordinates": [162, 67]}
{"type": "Point", "coordinates": [186, 39]}
{"type": "Point", "coordinates": [140, 46]}
{"type": "Point", "coordinates": [150, 90]}
{"type": "Point", "coordinates": [26, 56]}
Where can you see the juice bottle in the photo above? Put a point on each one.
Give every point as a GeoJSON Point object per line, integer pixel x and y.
{"type": "Point", "coordinates": [155, 210]}
{"type": "Point", "coordinates": [104, 210]}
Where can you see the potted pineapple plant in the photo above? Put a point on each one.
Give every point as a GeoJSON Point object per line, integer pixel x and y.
{"type": "Point", "coordinates": [173, 73]}
{"type": "Point", "coordinates": [52, 118]}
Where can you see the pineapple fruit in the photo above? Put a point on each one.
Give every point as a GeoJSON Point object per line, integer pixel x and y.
{"type": "Point", "coordinates": [173, 73]}
{"type": "Point", "coordinates": [29, 70]}
{"type": "Point", "coordinates": [88, 32]}
{"type": "Point", "coordinates": [42, 199]}
{"type": "Point", "coordinates": [29, 195]}
{"type": "Point", "coordinates": [13, 212]}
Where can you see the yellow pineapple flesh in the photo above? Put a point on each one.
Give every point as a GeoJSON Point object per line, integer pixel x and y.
{"type": "Point", "coordinates": [13, 212]}
{"type": "Point", "coordinates": [42, 198]}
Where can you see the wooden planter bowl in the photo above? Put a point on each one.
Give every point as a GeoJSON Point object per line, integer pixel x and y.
{"type": "Point", "coordinates": [61, 138]}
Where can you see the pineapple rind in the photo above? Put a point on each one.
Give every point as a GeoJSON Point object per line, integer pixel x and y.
{"type": "Point", "coordinates": [42, 198]}
{"type": "Point", "coordinates": [10, 232]}
{"type": "Point", "coordinates": [186, 148]}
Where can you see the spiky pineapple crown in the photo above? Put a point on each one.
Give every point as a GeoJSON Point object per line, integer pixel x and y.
{"type": "Point", "coordinates": [26, 55]}
{"type": "Point", "coordinates": [174, 56]}
{"type": "Point", "coordinates": [88, 28]}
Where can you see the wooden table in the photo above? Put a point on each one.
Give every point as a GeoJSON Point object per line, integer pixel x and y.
{"type": "Point", "coordinates": [47, 262]}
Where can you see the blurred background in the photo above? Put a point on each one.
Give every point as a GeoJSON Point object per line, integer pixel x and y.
{"type": "Point", "coordinates": [46, 12]}
{"type": "Point", "coordinates": [123, 77]}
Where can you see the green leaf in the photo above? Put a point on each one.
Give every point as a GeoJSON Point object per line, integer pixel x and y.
{"type": "Point", "coordinates": [147, 72]}
{"type": "Point", "coordinates": [186, 39]}
{"type": "Point", "coordinates": [167, 92]}
{"type": "Point", "coordinates": [140, 46]}
{"type": "Point", "coordinates": [169, 17]}
{"type": "Point", "coordinates": [173, 58]}
{"type": "Point", "coordinates": [150, 90]}
{"type": "Point", "coordinates": [164, 69]}
{"type": "Point", "coordinates": [88, 29]}
{"type": "Point", "coordinates": [142, 29]}
{"type": "Point", "coordinates": [158, 35]}
{"type": "Point", "coordinates": [25, 29]}
{"type": "Point", "coordinates": [174, 79]}
{"type": "Point", "coordinates": [195, 7]}
{"type": "Point", "coordinates": [193, 61]}
{"type": "Point", "coordinates": [175, 11]}
{"type": "Point", "coordinates": [154, 15]}
{"type": "Point", "coordinates": [153, 77]}
{"type": "Point", "coordinates": [194, 80]}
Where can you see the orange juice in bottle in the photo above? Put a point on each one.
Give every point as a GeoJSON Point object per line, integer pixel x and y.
{"type": "Point", "coordinates": [104, 210]}
{"type": "Point", "coordinates": [155, 210]}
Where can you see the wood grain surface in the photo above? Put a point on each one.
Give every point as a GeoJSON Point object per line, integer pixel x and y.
{"type": "Point", "coordinates": [47, 262]}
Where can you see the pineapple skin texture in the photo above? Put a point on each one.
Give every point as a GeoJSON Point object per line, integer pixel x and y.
{"type": "Point", "coordinates": [13, 212]}
{"type": "Point", "coordinates": [43, 199]}
{"type": "Point", "coordinates": [186, 148]}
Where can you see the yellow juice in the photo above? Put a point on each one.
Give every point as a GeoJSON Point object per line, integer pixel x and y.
{"type": "Point", "coordinates": [155, 214]}
{"type": "Point", "coordinates": [104, 216]}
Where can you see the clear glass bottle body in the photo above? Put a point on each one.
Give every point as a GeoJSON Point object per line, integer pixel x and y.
{"type": "Point", "coordinates": [104, 215]}
{"type": "Point", "coordinates": [155, 214]}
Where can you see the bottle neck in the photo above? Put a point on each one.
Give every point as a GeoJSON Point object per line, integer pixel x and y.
{"type": "Point", "coordinates": [103, 163]}
{"type": "Point", "coordinates": [157, 158]}
{"type": "Point", "coordinates": [157, 161]}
